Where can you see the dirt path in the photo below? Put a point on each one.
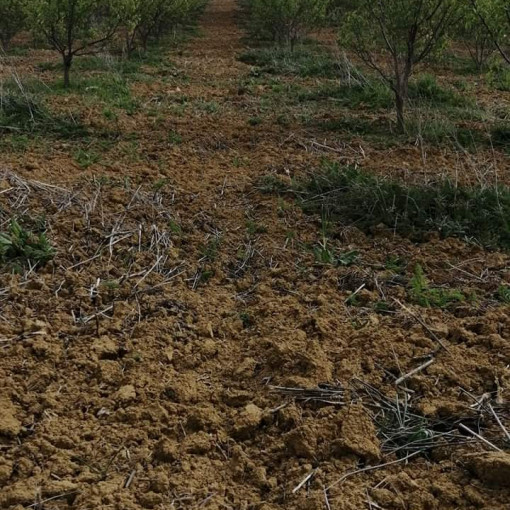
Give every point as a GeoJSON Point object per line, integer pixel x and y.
{"type": "Point", "coordinates": [137, 366]}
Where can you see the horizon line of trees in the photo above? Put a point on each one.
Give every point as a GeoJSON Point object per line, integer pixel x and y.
{"type": "Point", "coordinates": [75, 28]}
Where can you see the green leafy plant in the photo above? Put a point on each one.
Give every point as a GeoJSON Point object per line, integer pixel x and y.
{"type": "Point", "coordinates": [323, 253]}
{"type": "Point", "coordinates": [347, 258]}
{"type": "Point", "coordinates": [21, 247]}
{"type": "Point", "coordinates": [246, 319]}
{"type": "Point", "coordinates": [254, 121]}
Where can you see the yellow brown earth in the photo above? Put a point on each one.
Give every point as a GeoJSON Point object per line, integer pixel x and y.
{"type": "Point", "coordinates": [138, 367]}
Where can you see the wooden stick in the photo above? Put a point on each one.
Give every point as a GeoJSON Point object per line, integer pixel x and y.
{"type": "Point", "coordinates": [478, 436]}
{"type": "Point", "coordinates": [400, 380]}
{"type": "Point", "coordinates": [370, 468]}
{"type": "Point", "coordinates": [303, 482]}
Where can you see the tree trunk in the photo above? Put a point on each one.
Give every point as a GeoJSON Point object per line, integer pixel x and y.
{"type": "Point", "coordinates": [401, 92]}
{"type": "Point", "coordinates": [68, 61]}
{"type": "Point", "coordinates": [399, 103]}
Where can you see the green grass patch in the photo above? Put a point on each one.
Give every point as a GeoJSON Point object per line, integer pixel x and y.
{"type": "Point", "coordinates": [503, 294]}
{"type": "Point", "coordinates": [303, 61]}
{"type": "Point", "coordinates": [22, 112]}
{"type": "Point", "coordinates": [500, 136]}
{"type": "Point", "coordinates": [370, 95]}
{"type": "Point", "coordinates": [426, 90]}
{"type": "Point", "coordinates": [353, 196]}
{"type": "Point", "coordinates": [498, 77]}
{"type": "Point", "coordinates": [86, 158]}
{"type": "Point", "coordinates": [429, 297]}
{"type": "Point", "coordinates": [374, 94]}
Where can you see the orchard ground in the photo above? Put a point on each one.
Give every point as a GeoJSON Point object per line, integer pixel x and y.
{"type": "Point", "coordinates": [139, 365]}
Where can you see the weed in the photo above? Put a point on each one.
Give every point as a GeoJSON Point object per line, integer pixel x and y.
{"type": "Point", "coordinates": [347, 258]}
{"type": "Point", "coordinates": [499, 77]}
{"type": "Point", "coordinates": [15, 142]}
{"type": "Point", "coordinates": [323, 254]}
{"type": "Point", "coordinates": [174, 227]}
{"type": "Point", "coordinates": [425, 89]}
{"type": "Point", "coordinates": [205, 276]}
{"type": "Point", "coordinates": [246, 319]}
{"type": "Point", "coordinates": [383, 308]}
{"type": "Point", "coordinates": [25, 113]}
{"type": "Point", "coordinates": [349, 194]}
{"type": "Point", "coordinates": [305, 61]}
{"type": "Point", "coordinates": [500, 136]}
{"type": "Point", "coordinates": [110, 88]}
{"type": "Point", "coordinates": [271, 184]}
{"type": "Point", "coordinates": [209, 251]}
{"type": "Point", "coordinates": [20, 247]}
{"type": "Point", "coordinates": [254, 228]}
{"type": "Point", "coordinates": [86, 158]}
{"type": "Point", "coordinates": [110, 284]}
{"type": "Point", "coordinates": [159, 184]}
{"type": "Point", "coordinates": [283, 120]}
{"type": "Point", "coordinates": [239, 161]}
{"type": "Point", "coordinates": [207, 106]}
{"type": "Point", "coordinates": [353, 300]}
{"type": "Point", "coordinates": [503, 294]}
{"type": "Point", "coordinates": [428, 297]}
{"type": "Point", "coordinates": [373, 94]}
{"type": "Point", "coordinates": [110, 115]}
{"type": "Point", "coordinates": [174, 138]}
{"type": "Point", "coordinates": [395, 264]}
{"type": "Point", "coordinates": [254, 121]}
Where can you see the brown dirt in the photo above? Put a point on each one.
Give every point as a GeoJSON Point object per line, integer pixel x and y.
{"type": "Point", "coordinates": [153, 392]}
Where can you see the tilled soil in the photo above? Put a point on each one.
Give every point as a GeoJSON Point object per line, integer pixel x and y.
{"type": "Point", "coordinates": [139, 367]}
